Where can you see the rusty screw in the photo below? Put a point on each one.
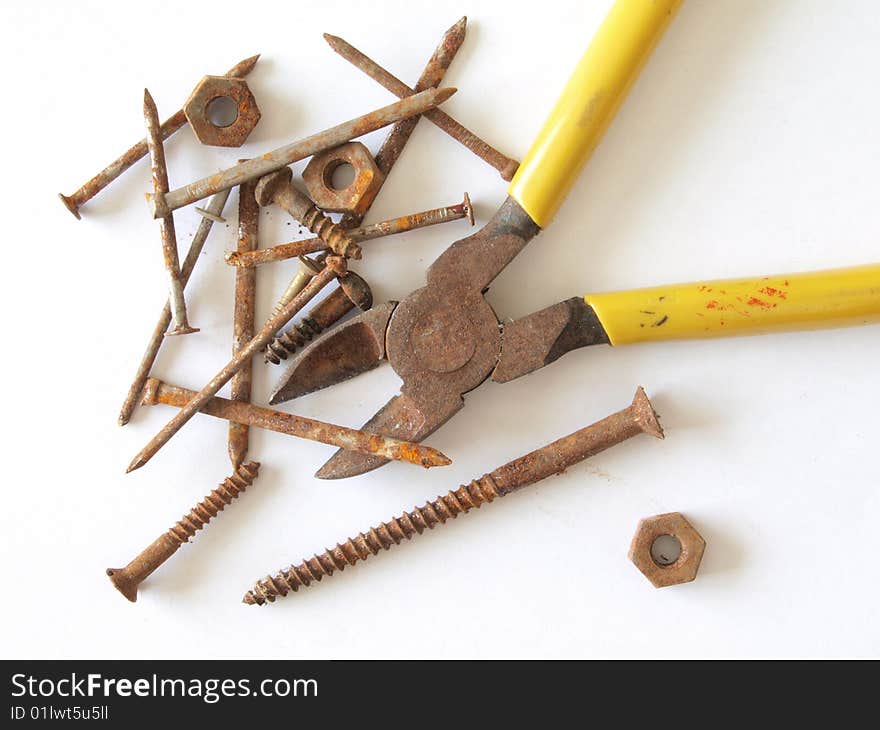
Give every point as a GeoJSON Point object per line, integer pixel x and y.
{"type": "Point", "coordinates": [366, 233]}
{"type": "Point", "coordinates": [128, 579]}
{"type": "Point", "coordinates": [352, 292]}
{"type": "Point", "coordinates": [166, 223]}
{"type": "Point", "coordinates": [277, 188]}
{"type": "Point", "coordinates": [638, 417]}
{"type": "Point", "coordinates": [482, 149]}
{"type": "Point", "coordinates": [307, 270]}
{"type": "Point", "coordinates": [100, 181]}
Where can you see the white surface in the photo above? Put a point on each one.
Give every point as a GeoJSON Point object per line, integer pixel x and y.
{"type": "Point", "coordinates": [749, 145]}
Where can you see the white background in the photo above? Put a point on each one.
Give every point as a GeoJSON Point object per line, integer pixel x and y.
{"type": "Point", "coordinates": [749, 145]}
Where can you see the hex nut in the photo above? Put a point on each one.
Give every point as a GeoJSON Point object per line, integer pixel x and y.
{"type": "Point", "coordinates": [685, 567]}
{"type": "Point", "coordinates": [216, 87]}
{"type": "Point", "coordinates": [357, 197]}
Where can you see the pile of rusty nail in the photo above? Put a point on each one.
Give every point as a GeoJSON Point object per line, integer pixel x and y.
{"type": "Point", "coordinates": [267, 180]}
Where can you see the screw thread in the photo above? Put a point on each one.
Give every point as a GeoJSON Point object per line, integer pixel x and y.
{"type": "Point", "coordinates": [447, 507]}
{"type": "Point", "coordinates": [207, 509]}
{"type": "Point", "coordinates": [330, 233]}
{"type": "Point", "coordinates": [290, 341]}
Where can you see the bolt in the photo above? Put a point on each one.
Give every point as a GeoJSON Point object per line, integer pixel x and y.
{"type": "Point", "coordinates": [335, 265]}
{"type": "Point", "coordinates": [94, 186]}
{"type": "Point", "coordinates": [432, 75]}
{"type": "Point", "coordinates": [128, 579]}
{"type": "Point", "coordinates": [156, 391]}
{"type": "Point", "coordinates": [352, 292]}
{"type": "Point", "coordinates": [365, 233]}
{"type": "Point", "coordinates": [482, 149]}
{"type": "Point", "coordinates": [307, 270]}
{"type": "Point", "coordinates": [277, 188]}
{"type": "Point", "coordinates": [269, 162]}
{"type": "Point", "coordinates": [158, 336]}
{"type": "Point", "coordinates": [638, 417]}
{"type": "Point", "coordinates": [166, 223]}
{"type": "Point", "coordinates": [244, 312]}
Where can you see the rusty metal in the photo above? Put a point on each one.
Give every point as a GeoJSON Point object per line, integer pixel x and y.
{"type": "Point", "coordinates": [197, 110]}
{"type": "Point", "coordinates": [208, 214]}
{"type": "Point", "coordinates": [396, 140]}
{"type": "Point", "coordinates": [278, 188]}
{"type": "Point", "coordinates": [355, 198]}
{"type": "Point", "coordinates": [89, 190]}
{"type": "Point", "coordinates": [128, 579]}
{"type": "Point", "coordinates": [276, 159]}
{"type": "Point", "coordinates": [639, 417]}
{"type": "Point", "coordinates": [352, 292]}
{"type": "Point", "coordinates": [335, 266]}
{"type": "Point", "coordinates": [667, 572]}
{"type": "Point", "coordinates": [166, 223]}
{"type": "Point", "coordinates": [287, 423]}
{"type": "Point", "coordinates": [366, 233]}
{"type": "Point", "coordinates": [244, 313]}
{"type": "Point", "coordinates": [307, 270]}
{"type": "Point", "coordinates": [195, 249]}
{"type": "Point", "coordinates": [506, 166]}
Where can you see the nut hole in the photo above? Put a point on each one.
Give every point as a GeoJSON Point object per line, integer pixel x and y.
{"type": "Point", "coordinates": [665, 550]}
{"type": "Point", "coordinates": [338, 175]}
{"type": "Point", "coordinates": [222, 111]}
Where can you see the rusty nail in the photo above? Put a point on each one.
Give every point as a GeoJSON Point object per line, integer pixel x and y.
{"type": "Point", "coordinates": [166, 223]}
{"type": "Point", "coordinates": [244, 312]}
{"type": "Point", "coordinates": [158, 336]}
{"type": "Point", "coordinates": [482, 149]}
{"type": "Point", "coordinates": [269, 162]}
{"type": "Point", "coordinates": [76, 200]}
{"type": "Point", "coordinates": [335, 265]}
{"type": "Point", "coordinates": [352, 292]}
{"type": "Point", "coordinates": [307, 270]}
{"type": "Point", "coordinates": [128, 579]}
{"type": "Point", "coordinates": [352, 439]}
{"type": "Point", "coordinates": [374, 230]}
{"type": "Point", "coordinates": [208, 214]}
{"type": "Point", "coordinates": [638, 417]}
{"type": "Point", "coordinates": [277, 188]}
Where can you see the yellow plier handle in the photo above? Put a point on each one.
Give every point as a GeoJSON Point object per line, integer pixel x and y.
{"type": "Point", "coordinates": [751, 305]}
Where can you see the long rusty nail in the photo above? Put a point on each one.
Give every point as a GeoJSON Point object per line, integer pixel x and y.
{"type": "Point", "coordinates": [365, 233]}
{"type": "Point", "coordinates": [482, 149]}
{"type": "Point", "coordinates": [396, 140]}
{"type": "Point", "coordinates": [166, 223]}
{"type": "Point", "coordinates": [128, 579]}
{"type": "Point", "coordinates": [638, 417]}
{"type": "Point", "coordinates": [335, 266]}
{"type": "Point", "coordinates": [278, 188]}
{"type": "Point", "coordinates": [244, 313]}
{"type": "Point", "coordinates": [276, 159]}
{"type": "Point", "coordinates": [352, 439]}
{"type": "Point", "coordinates": [352, 292]}
{"type": "Point", "coordinates": [307, 270]}
{"type": "Point", "coordinates": [89, 190]}
{"type": "Point", "coordinates": [158, 336]}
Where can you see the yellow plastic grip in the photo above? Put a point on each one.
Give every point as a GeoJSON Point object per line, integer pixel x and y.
{"type": "Point", "coordinates": [588, 103]}
{"type": "Point", "coordinates": [728, 307]}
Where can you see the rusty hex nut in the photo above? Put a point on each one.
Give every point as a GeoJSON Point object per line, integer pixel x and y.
{"type": "Point", "coordinates": [211, 88]}
{"type": "Point", "coordinates": [684, 568]}
{"type": "Point", "coordinates": [357, 197]}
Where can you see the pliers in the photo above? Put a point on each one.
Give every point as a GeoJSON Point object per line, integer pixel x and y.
{"type": "Point", "coordinates": [444, 339]}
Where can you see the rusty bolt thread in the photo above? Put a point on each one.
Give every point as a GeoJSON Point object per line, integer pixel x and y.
{"type": "Point", "coordinates": [166, 223]}
{"type": "Point", "coordinates": [128, 579]}
{"type": "Point", "coordinates": [269, 162]}
{"type": "Point", "coordinates": [158, 336]}
{"type": "Point", "coordinates": [352, 292]}
{"type": "Point", "coordinates": [394, 143]}
{"type": "Point", "coordinates": [307, 270]}
{"type": "Point", "coordinates": [100, 181]}
{"type": "Point", "coordinates": [335, 265]}
{"type": "Point", "coordinates": [375, 230]}
{"type": "Point", "coordinates": [482, 149]}
{"type": "Point", "coordinates": [638, 417]}
{"type": "Point", "coordinates": [244, 314]}
{"type": "Point", "coordinates": [156, 391]}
